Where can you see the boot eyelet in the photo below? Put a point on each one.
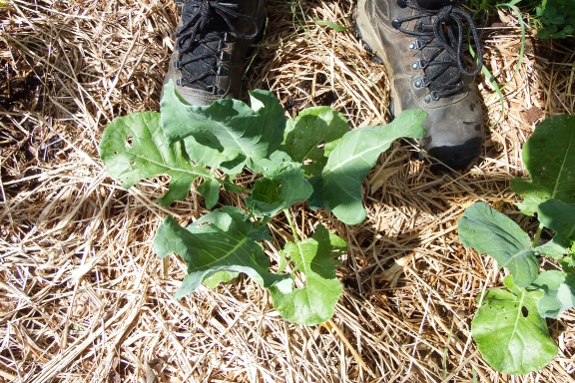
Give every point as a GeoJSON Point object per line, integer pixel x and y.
{"type": "Point", "coordinates": [415, 45]}
{"type": "Point", "coordinates": [222, 71]}
{"type": "Point", "coordinates": [396, 23]}
{"type": "Point", "coordinates": [421, 83]}
{"type": "Point", "coordinates": [221, 91]}
{"type": "Point", "coordinates": [402, 3]}
{"type": "Point", "coordinates": [224, 56]}
{"type": "Point", "coordinates": [179, 82]}
{"type": "Point", "coordinates": [414, 66]}
{"type": "Point", "coordinates": [427, 99]}
{"type": "Point", "coordinates": [228, 37]}
{"type": "Point", "coordinates": [177, 65]}
{"type": "Point", "coordinates": [422, 64]}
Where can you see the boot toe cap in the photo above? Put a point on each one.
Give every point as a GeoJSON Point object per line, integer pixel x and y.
{"type": "Point", "coordinates": [453, 138]}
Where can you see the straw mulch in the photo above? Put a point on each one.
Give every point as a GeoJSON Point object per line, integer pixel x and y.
{"type": "Point", "coordinates": [84, 299]}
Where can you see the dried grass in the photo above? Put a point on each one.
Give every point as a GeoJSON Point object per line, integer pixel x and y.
{"type": "Point", "coordinates": [83, 297]}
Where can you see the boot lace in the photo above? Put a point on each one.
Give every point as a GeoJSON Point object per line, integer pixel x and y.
{"type": "Point", "coordinates": [202, 38]}
{"type": "Point", "coordinates": [439, 46]}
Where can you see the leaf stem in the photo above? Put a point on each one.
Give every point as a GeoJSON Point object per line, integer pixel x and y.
{"type": "Point", "coordinates": [537, 235]}
{"type": "Point", "coordinates": [291, 225]}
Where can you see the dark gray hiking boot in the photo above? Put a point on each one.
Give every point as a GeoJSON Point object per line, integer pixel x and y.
{"type": "Point", "coordinates": [213, 39]}
{"type": "Point", "coordinates": [421, 45]}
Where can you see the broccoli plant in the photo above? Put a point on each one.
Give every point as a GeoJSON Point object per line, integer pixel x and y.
{"type": "Point", "coordinates": [509, 328]}
{"type": "Point", "coordinates": [314, 157]}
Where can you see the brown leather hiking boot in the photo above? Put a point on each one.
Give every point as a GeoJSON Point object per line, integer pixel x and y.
{"type": "Point", "coordinates": [420, 42]}
{"type": "Point", "coordinates": [213, 38]}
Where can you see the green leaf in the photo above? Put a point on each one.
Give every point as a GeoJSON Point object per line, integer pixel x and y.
{"type": "Point", "coordinates": [314, 303]}
{"type": "Point", "coordinates": [220, 277]}
{"type": "Point", "coordinates": [488, 231]}
{"type": "Point", "coordinates": [307, 136]}
{"type": "Point", "coordinates": [339, 189]}
{"type": "Point", "coordinates": [558, 292]}
{"type": "Point", "coordinates": [549, 156]}
{"type": "Point", "coordinates": [542, 34]}
{"type": "Point", "coordinates": [271, 195]}
{"type": "Point", "coordinates": [272, 165]}
{"type": "Point", "coordinates": [569, 29]}
{"type": "Point", "coordinates": [552, 249]}
{"type": "Point", "coordinates": [134, 147]}
{"type": "Point", "coordinates": [552, 28]}
{"type": "Point", "coordinates": [559, 217]}
{"type": "Point", "coordinates": [559, 35]}
{"type": "Point", "coordinates": [227, 133]}
{"type": "Point", "coordinates": [559, 20]}
{"type": "Point", "coordinates": [509, 332]}
{"type": "Point", "coordinates": [550, 10]}
{"type": "Point", "coordinates": [568, 262]}
{"type": "Point", "coordinates": [210, 190]}
{"type": "Point", "coordinates": [337, 27]}
{"type": "Point", "coordinates": [223, 240]}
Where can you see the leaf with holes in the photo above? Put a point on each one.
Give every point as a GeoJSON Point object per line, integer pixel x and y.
{"type": "Point", "coordinates": [315, 302]}
{"type": "Point", "coordinates": [509, 332]}
{"type": "Point", "coordinates": [134, 147]}
{"type": "Point", "coordinates": [339, 187]}
{"type": "Point", "coordinates": [549, 157]}
{"type": "Point", "coordinates": [312, 132]}
{"type": "Point", "coordinates": [227, 133]}
{"type": "Point", "coordinates": [221, 241]}
{"type": "Point", "coordinates": [558, 290]}
{"type": "Point", "coordinates": [490, 232]}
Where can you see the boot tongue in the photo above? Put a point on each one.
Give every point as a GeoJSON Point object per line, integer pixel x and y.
{"type": "Point", "coordinates": [434, 4]}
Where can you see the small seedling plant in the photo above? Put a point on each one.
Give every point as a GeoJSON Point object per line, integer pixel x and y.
{"type": "Point", "coordinates": [510, 328]}
{"type": "Point", "coordinates": [314, 157]}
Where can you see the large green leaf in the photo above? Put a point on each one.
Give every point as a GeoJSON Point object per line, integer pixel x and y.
{"type": "Point", "coordinates": [549, 156]}
{"type": "Point", "coordinates": [314, 303]}
{"type": "Point", "coordinates": [509, 332]}
{"type": "Point", "coordinates": [221, 241]}
{"type": "Point", "coordinates": [339, 188]}
{"type": "Point", "coordinates": [283, 189]}
{"type": "Point", "coordinates": [559, 217]}
{"type": "Point", "coordinates": [227, 133]}
{"type": "Point", "coordinates": [488, 231]}
{"type": "Point", "coordinates": [558, 290]}
{"type": "Point", "coordinates": [134, 147]}
{"type": "Point", "coordinates": [310, 133]}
